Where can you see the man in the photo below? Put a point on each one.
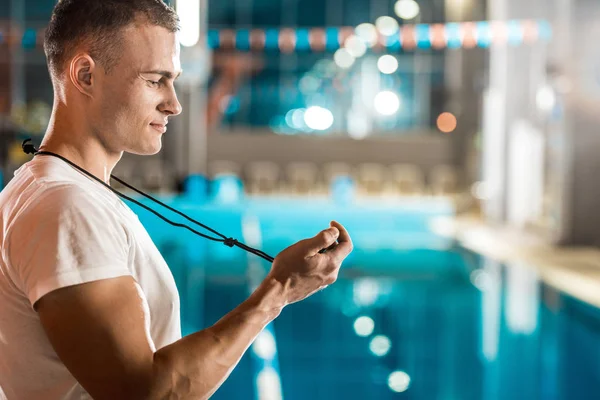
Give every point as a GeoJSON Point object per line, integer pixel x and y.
{"type": "Point", "coordinates": [88, 307]}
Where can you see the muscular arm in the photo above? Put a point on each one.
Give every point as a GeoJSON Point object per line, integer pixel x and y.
{"type": "Point", "coordinates": [195, 366]}
{"type": "Point", "coordinates": [99, 329]}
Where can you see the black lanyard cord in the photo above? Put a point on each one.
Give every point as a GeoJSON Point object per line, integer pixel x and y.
{"type": "Point", "coordinates": [28, 148]}
{"type": "Point", "coordinates": [161, 203]}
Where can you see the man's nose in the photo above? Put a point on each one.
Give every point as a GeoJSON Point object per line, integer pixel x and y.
{"type": "Point", "coordinates": [172, 106]}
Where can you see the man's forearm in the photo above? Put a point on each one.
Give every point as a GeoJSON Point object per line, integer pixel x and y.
{"type": "Point", "coordinates": [195, 366]}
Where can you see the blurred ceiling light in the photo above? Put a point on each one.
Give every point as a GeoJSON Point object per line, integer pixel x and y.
{"type": "Point", "coordinates": [380, 345]}
{"type": "Point", "coordinates": [398, 381]}
{"type": "Point", "coordinates": [363, 326]}
{"type": "Point", "coordinates": [367, 33]}
{"type": "Point", "coordinates": [386, 103]}
{"type": "Point", "coordinates": [446, 122]}
{"type": "Point", "coordinates": [387, 64]}
{"type": "Point", "coordinates": [387, 26]}
{"type": "Point", "coordinates": [309, 83]}
{"type": "Point", "coordinates": [289, 118]}
{"type": "Point", "coordinates": [298, 118]}
{"type": "Point", "coordinates": [189, 21]}
{"type": "Point", "coordinates": [545, 99]}
{"type": "Point", "coordinates": [355, 46]}
{"type": "Point", "coordinates": [343, 58]}
{"type": "Point", "coordinates": [318, 118]}
{"type": "Point", "coordinates": [406, 9]}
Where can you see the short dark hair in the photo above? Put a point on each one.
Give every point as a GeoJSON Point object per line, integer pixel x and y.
{"type": "Point", "coordinates": [99, 23]}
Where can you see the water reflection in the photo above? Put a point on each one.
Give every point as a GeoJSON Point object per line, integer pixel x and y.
{"type": "Point", "coordinates": [472, 330]}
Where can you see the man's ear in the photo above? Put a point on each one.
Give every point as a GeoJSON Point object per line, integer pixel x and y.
{"type": "Point", "coordinates": [81, 73]}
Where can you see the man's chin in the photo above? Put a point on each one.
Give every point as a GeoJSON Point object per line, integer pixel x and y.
{"type": "Point", "coordinates": [146, 151]}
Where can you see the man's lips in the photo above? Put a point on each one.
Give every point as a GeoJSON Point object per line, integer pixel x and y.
{"type": "Point", "coordinates": [159, 127]}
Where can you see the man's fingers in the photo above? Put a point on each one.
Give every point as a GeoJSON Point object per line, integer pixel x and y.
{"type": "Point", "coordinates": [322, 240]}
{"type": "Point", "coordinates": [344, 246]}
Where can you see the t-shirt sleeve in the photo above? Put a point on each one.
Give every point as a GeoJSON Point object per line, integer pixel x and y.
{"type": "Point", "coordinates": [66, 237]}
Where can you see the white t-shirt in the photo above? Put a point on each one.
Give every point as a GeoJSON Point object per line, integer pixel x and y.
{"type": "Point", "coordinates": [58, 228]}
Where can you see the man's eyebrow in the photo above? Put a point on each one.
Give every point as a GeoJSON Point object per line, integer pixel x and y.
{"type": "Point", "coordinates": [166, 74]}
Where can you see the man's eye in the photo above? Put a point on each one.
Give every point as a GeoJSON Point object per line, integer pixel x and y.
{"type": "Point", "coordinates": [154, 83]}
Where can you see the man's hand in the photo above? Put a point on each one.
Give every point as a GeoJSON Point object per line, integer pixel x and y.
{"type": "Point", "coordinates": [302, 270]}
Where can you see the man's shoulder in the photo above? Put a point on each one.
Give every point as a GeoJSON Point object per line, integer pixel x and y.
{"type": "Point", "coordinates": [47, 200]}
{"type": "Point", "coordinates": [25, 192]}
{"type": "Point", "coordinates": [37, 181]}
{"type": "Point", "coordinates": [61, 193]}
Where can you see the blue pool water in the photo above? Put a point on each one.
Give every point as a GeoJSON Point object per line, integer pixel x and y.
{"type": "Point", "coordinates": [411, 315]}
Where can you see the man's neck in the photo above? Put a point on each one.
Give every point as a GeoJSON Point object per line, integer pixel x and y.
{"type": "Point", "coordinates": [80, 148]}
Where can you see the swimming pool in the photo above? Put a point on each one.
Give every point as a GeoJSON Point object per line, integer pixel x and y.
{"type": "Point", "coordinates": [426, 320]}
